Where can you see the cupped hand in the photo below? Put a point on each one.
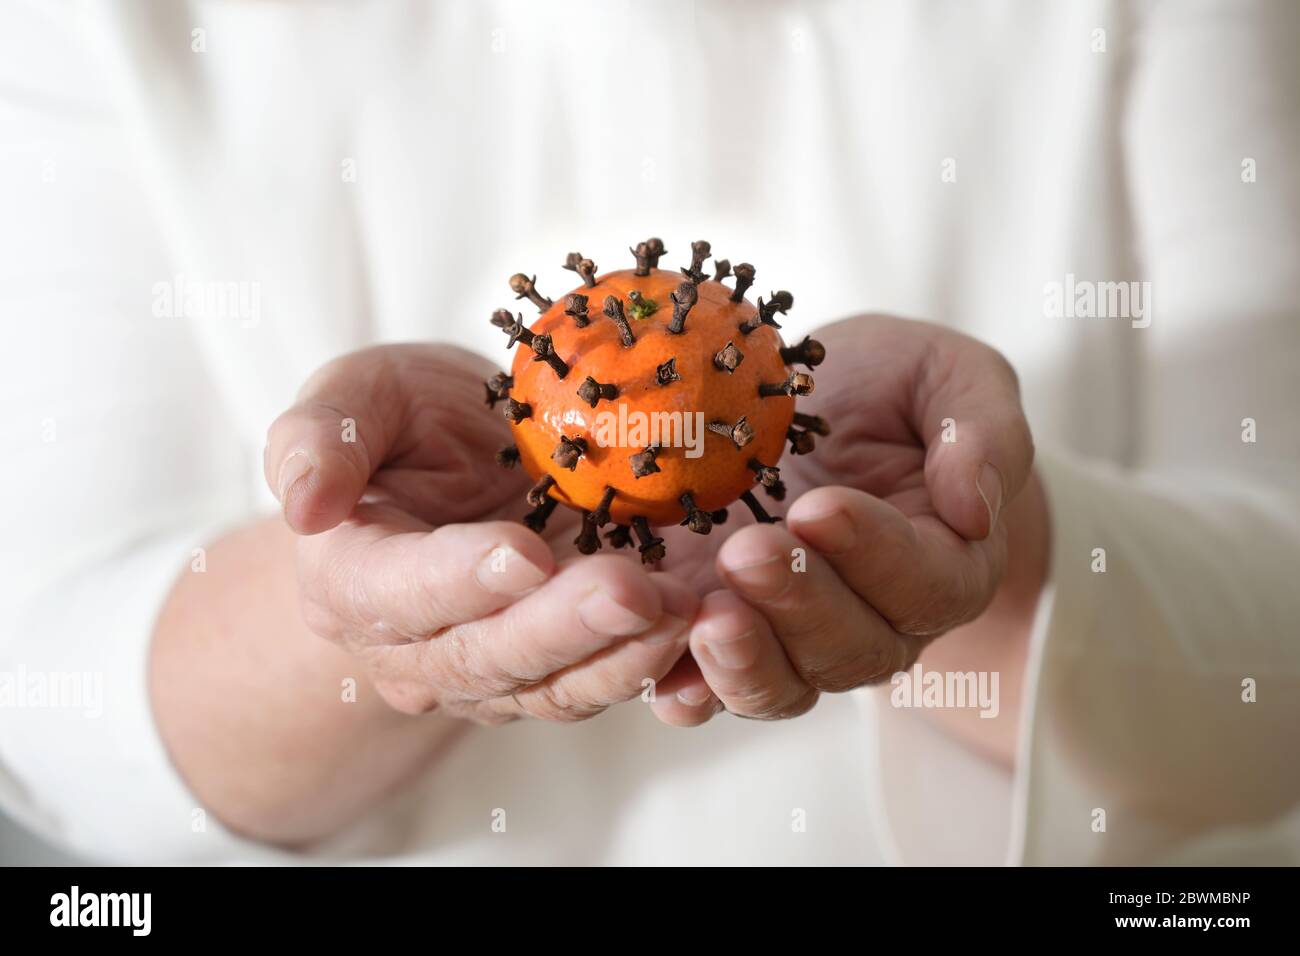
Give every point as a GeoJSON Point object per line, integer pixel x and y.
{"type": "Point", "coordinates": [412, 556]}
{"type": "Point", "coordinates": [897, 531]}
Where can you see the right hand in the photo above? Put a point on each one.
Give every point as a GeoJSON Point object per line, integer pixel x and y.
{"type": "Point", "coordinates": [413, 560]}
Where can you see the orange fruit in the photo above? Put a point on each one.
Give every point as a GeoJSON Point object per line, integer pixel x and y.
{"type": "Point", "coordinates": [686, 419]}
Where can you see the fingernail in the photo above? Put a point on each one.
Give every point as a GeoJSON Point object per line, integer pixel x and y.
{"type": "Point", "coordinates": [694, 696]}
{"type": "Point", "coordinates": [989, 484]}
{"type": "Point", "coordinates": [734, 652]}
{"type": "Point", "coordinates": [831, 532]}
{"type": "Point", "coordinates": [670, 629]}
{"type": "Point", "coordinates": [767, 578]}
{"type": "Point", "coordinates": [603, 615]}
{"type": "Point", "coordinates": [505, 571]}
{"type": "Point", "coordinates": [292, 470]}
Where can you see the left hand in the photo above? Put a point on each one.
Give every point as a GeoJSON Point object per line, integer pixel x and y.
{"type": "Point", "coordinates": [903, 528]}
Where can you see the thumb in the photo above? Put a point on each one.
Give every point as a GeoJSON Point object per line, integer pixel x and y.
{"type": "Point", "coordinates": [979, 449]}
{"type": "Point", "coordinates": [321, 453]}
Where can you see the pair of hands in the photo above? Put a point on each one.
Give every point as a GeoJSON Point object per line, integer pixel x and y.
{"type": "Point", "coordinates": [412, 556]}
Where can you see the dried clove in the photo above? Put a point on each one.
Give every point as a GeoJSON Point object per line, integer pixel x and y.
{"type": "Point", "coordinates": [667, 373]}
{"type": "Point", "coordinates": [643, 463]}
{"type": "Point", "coordinates": [592, 391]}
{"type": "Point", "coordinates": [642, 254]}
{"type": "Point", "coordinates": [729, 359]}
{"type": "Point", "coordinates": [684, 300]}
{"type": "Point", "coordinates": [620, 537]}
{"type": "Point", "coordinates": [701, 522]}
{"type": "Point", "coordinates": [655, 250]}
{"type": "Point", "coordinates": [601, 514]}
{"type": "Point", "coordinates": [525, 287]}
{"type": "Point", "coordinates": [700, 250]}
{"type": "Point", "coordinates": [588, 539]}
{"type": "Point", "coordinates": [614, 310]}
{"type": "Point", "coordinates": [740, 433]}
{"type": "Point", "coordinates": [576, 262]}
{"type": "Point", "coordinates": [536, 519]}
{"type": "Point", "coordinates": [766, 474]}
{"type": "Point", "coordinates": [814, 423]}
{"type": "Point", "coordinates": [809, 352]}
{"type": "Point", "coordinates": [801, 442]}
{"type": "Point", "coordinates": [498, 387]}
{"type": "Point", "coordinates": [575, 304]}
{"type": "Point", "coordinates": [652, 548]}
{"type": "Point", "coordinates": [513, 326]}
{"type": "Point", "coordinates": [744, 279]}
{"type": "Point", "coordinates": [568, 451]}
{"type": "Point", "coordinates": [508, 456]}
{"type": "Point", "coordinates": [545, 350]}
{"type": "Point", "coordinates": [537, 493]}
{"type": "Point", "coordinates": [799, 383]}
{"type": "Point", "coordinates": [517, 411]}
{"type": "Point", "coordinates": [757, 509]}
{"type": "Point", "coordinates": [767, 311]}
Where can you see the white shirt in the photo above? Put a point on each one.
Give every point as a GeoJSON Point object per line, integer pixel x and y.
{"type": "Point", "coordinates": [374, 172]}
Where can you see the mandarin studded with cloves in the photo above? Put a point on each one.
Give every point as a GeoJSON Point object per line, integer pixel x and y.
{"type": "Point", "coordinates": [647, 397]}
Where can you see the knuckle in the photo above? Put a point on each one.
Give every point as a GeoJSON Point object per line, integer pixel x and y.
{"type": "Point", "coordinates": [492, 718]}
{"type": "Point", "coordinates": [767, 702]}
{"type": "Point", "coordinates": [886, 662]}
{"type": "Point", "coordinates": [836, 678]}
{"type": "Point", "coordinates": [829, 660]}
{"type": "Point", "coordinates": [442, 538]}
{"type": "Point", "coordinates": [329, 576]}
{"type": "Point", "coordinates": [425, 582]}
{"type": "Point", "coordinates": [485, 713]}
{"type": "Point", "coordinates": [908, 652]}
{"type": "Point", "coordinates": [804, 703]}
{"type": "Point", "coordinates": [874, 661]}
{"type": "Point", "coordinates": [406, 697]}
{"type": "Point", "coordinates": [896, 546]}
{"type": "Point", "coordinates": [931, 604]}
{"type": "Point", "coordinates": [320, 619]}
{"type": "Point", "coordinates": [768, 707]}
{"type": "Point", "coordinates": [460, 663]}
{"type": "Point", "coordinates": [353, 456]}
{"type": "Point", "coordinates": [927, 608]}
{"type": "Point", "coordinates": [603, 569]}
{"type": "Point", "coordinates": [553, 701]}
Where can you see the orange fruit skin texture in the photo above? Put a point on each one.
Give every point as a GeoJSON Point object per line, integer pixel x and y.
{"type": "Point", "coordinates": [716, 478]}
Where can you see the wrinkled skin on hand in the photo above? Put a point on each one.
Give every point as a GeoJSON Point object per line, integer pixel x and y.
{"type": "Point", "coordinates": [894, 526]}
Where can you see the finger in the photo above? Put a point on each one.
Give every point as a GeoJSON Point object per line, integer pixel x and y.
{"type": "Point", "coordinates": [683, 698]}
{"type": "Point", "coordinates": [590, 605]}
{"type": "Point", "coordinates": [978, 445]}
{"type": "Point", "coordinates": [622, 672]}
{"type": "Point", "coordinates": [321, 453]}
{"type": "Point", "coordinates": [385, 579]}
{"type": "Point", "coordinates": [744, 663]}
{"type": "Point", "coordinates": [917, 574]}
{"type": "Point", "coordinates": [833, 640]}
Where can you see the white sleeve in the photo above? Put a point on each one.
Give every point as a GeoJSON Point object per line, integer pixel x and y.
{"type": "Point", "coordinates": [1164, 691]}
{"type": "Point", "coordinates": [118, 461]}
